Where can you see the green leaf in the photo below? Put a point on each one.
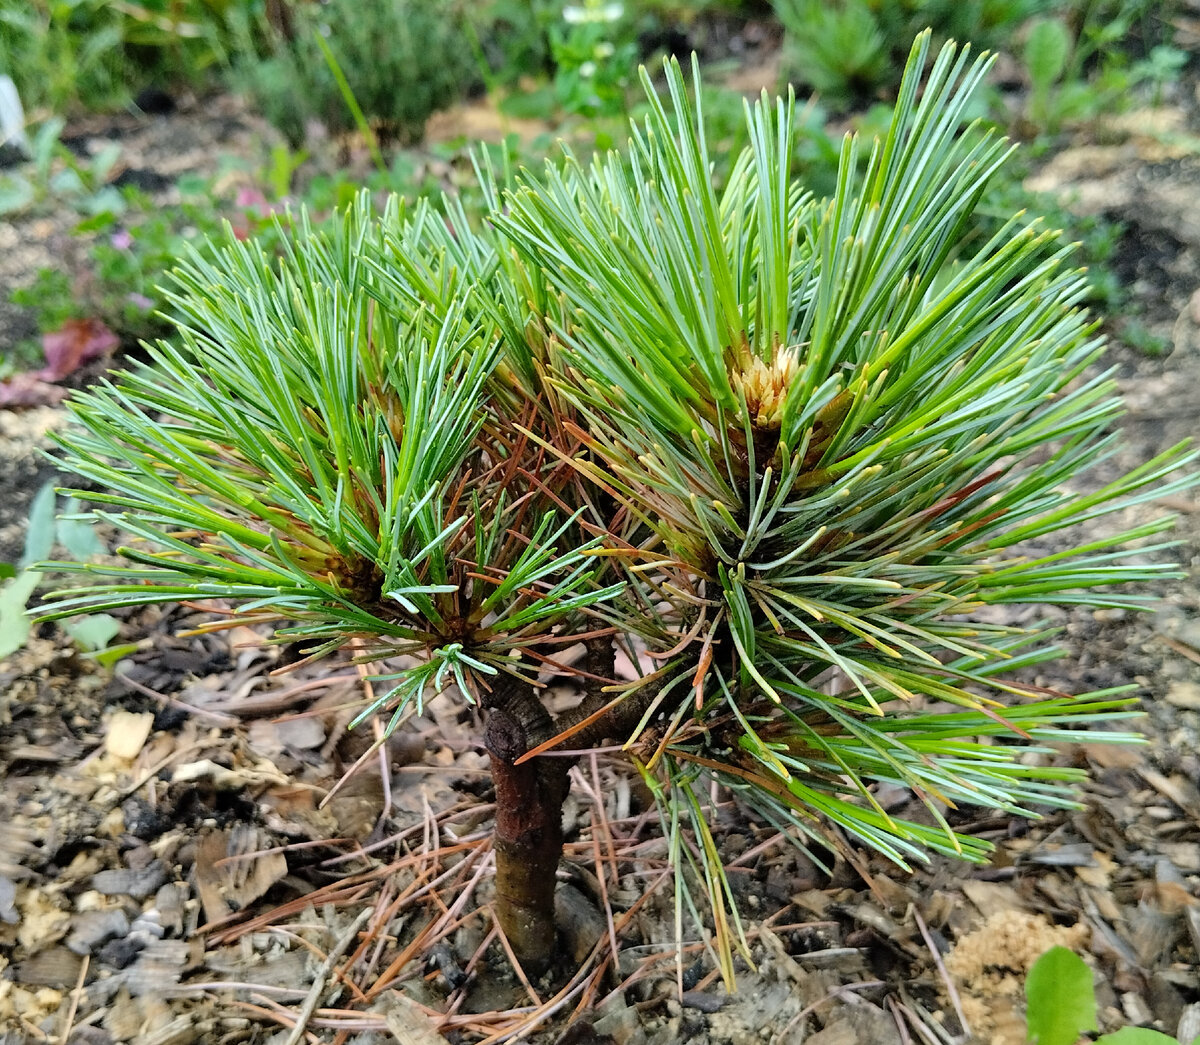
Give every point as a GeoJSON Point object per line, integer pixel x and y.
{"type": "Point", "coordinates": [68, 182]}
{"type": "Point", "coordinates": [78, 535]}
{"type": "Point", "coordinates": [106, 200]}
{"type": "Point", "coordinates": [7, 571]}
{"type": "Point", "coordinates": [14, 625]}
{"type": "Point", "coordinates": [95, 223]}
{"type": "Point", "coordinates": [1137, 1036]}
{"type": "Point", "coordinates": [15, 194]}
{"type": "Point", "coordinates": [44, 143]}
{"type": "Point", "coordinates": [94, 631]}
{"type": "Point", "coordinates": [112, 654]}
{"type": "Point", "coordinates": [1060, 997]}
{"type": "Point", "coordinates": [1046, 51]}
{"type": "Point", "coordinates": [39, 538]}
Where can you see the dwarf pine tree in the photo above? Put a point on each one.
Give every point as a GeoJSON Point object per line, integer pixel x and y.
{"type": "Point", "coordinates": [748, 466]}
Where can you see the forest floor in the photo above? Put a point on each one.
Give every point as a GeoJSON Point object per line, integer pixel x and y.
{"type": "Point", "coordinates": [173, 867]}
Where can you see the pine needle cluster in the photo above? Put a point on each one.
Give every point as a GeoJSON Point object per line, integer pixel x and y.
{"type": "Point", "coordinates": [777, 456]}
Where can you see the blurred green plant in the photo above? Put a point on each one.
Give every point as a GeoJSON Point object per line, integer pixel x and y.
{"type": "Point", "coordinates": [132, 248]}
{"type": "Point", "coordinates": [784, 454]}
{"type": "Point", "coordinates": [56, 177]}
{"type": "Point", "coordinates": [67, 55]}
{"type": "Point", "coordinates": [19, 581]}
{"type": "Point", "coordinates": [836, 49]}
{"type": "Point", "coordinates": [595, 55]}
{"type": "Point", "coordinates": [402, 61]}
{"type": "Point", "coordinates": [853, 50]}
{"type": "Point", "coordinates": [512, 39]}
{"type": "Point", "coordinates": [1081, 68]}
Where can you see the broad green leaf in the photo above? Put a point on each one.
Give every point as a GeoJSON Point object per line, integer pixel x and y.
{"type": "Point", "coordinates": [1046, 51]}
{"type": "Point", "coordinates": [106, 200]}
{"type": "Point", "coordinates": [1060, 997]}
{"type": "Point", "coordinates": [109, 656]}
{"type": "Point", "coordinates": [94, 631]}
{"type": "Point", "coordinates": [44, 143]}
{"type": "Point", "coordinates": [78, 536]}
{"type": "Point", "coordinates": [1136, 1036]}
{"type": "Point", "coordinates": [14, 625]}
{"type": "Point", "coordinates": [103, 220]}
{"type": "Point", "coordinates": [39, 538]}
{"type": "Point", "coordinates": [68, 182]}
{"type": "Point", "coordinates": [15, 194]}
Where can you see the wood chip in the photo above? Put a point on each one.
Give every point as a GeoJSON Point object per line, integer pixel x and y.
{"type": "Point", "coordinates": [579, 920]}
{"type": "Point", "coordinates": [1184, 855]}
{"type": "Point", "coordinates": [127, 734]}
{"type": "Point", "coordinates": [1184, 695]}
{"type": "Point", "coordinates": [123, 1020]}
{"type": "Point", "coordinates": [1153, 933]}
{"type": "Point", "coordinates": [1192, 917]}
{"type": "Point", "coordinates": [124, 881]}
{"type": "Point", "coordinates": [1076, 854]}
{"type": "Point", "coordinates": [8, 894]}
{"type": "Point", "coordinates": [1189, 1024]}
{"type": "Point", "coordinates": [992, 898]}
{"type": "Point", "coordinates": [158, 967]}
{"type": "Point", "coordinates": [53, 967]}
{"type": "Point", "coordinates": [91, 929]}
{"type": "Point", "coordinates": [407, 1023]}
{"type": "Point", "coordinates": [232, 871]}
{"type": "Point", "coordinates": [1182, 792]}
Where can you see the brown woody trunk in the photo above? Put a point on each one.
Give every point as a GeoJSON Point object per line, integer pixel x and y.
{"type": "Point", "coordinates": [528, 839]}
{"type": "Point", "coordinates": [529, 797]}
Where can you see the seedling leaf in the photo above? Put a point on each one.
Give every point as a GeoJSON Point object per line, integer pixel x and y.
{"type": "Point", "coordinates": [1061, 1000]}
{"type": "Point", "coordinates": [1137, 1036]}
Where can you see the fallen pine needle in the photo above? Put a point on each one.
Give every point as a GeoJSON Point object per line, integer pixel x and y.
{"type": "Point", "coordinates": [323, 974]}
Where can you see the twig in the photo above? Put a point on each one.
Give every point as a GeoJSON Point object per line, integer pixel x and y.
{"type": "Point", "coordinates": [83, 969]}
{"type": "Point", "coordinates": [314, 995]}
{"type": "Point", "coordinates": [291, 846]}
{"type": "Point", "coordinates": [364, 672]}
{"type": "Point", "coordinates": [600, 818]}
{"type": "Point", "coordinates": [218, 718]}
{"type": "Point", "coordinates": [951, 990]}
{"type": "Point", "coordinates": [1181, 648]}
{"type": "Point", "coordinates": [901, 1023]}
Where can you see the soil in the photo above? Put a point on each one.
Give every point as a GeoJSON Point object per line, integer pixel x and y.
{"type": "Point", "coordinates": [179, 864]}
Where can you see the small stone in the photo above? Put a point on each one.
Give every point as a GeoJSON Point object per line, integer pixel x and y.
{"type": "Point", "coordinates": [303, 734]}
{"type": "Point", "coordinates": [138, 884]}
{"type": "Point", "coordinates": [92, 928]}
{"type": "Point", "coordinates": [127, 734]}
{"type": "Point", "coordinates": [840, 1032]}
{"type": "Point", "coordinates": [118, 954]}
{"type": "Point", "coordinates": [8, 895]}
{"type": "Point", "coordinates": [168, 902]}
{"type": "Point", "coordinates": [148, 926]}
{"type": "Point", "coordinates": [1184, 695]}
{"type": "Point", "coordinates": [703, 1001]}
{"type": "Point", "coordinates": [621, 1024]}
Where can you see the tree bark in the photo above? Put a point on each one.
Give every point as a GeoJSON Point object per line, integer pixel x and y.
{"type": "Point", "coordinates": [528, 838]}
